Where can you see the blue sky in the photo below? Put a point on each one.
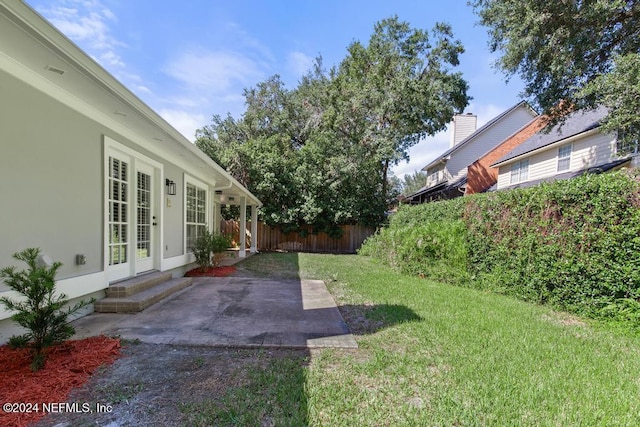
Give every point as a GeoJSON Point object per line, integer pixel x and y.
{"type": "Point", "coordinates": [192, 59]}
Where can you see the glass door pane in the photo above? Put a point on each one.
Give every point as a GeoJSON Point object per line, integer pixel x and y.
{"type": "Point", "coordinates": [143, 216]}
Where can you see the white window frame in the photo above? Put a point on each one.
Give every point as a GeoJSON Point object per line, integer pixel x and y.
{"type": "Point", "coordinates": [199, 222]}
{"type": "Point", "coordinates": [435, 177]}
{"type": "Point", "coordinates": [564, 158]}
{"type": "Point", "coordinates": [519, 171]}
{"type": "Point", "coordinates": [628, 148]}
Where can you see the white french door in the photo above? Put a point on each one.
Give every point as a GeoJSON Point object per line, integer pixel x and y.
{"type": "Point", "coordinates": [145, 217]}
{"type": "Point", "coordinates": [118, 185]}
{"type": "Point", "coordinates": [131, 218]}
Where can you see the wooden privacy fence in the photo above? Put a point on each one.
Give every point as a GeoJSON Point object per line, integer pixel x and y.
{"type": "Point", "coordinates": [272, 239]}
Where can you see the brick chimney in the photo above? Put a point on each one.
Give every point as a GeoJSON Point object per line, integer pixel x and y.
{"type": "Point", "coordinates": [462, 126]}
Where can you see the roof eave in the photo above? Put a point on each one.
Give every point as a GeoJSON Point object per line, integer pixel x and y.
{"type": "Point", "coordinates": [38, 26]}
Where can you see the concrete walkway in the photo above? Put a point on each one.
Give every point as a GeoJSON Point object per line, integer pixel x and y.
{"type": "Point", "coordinates": [233, 312]}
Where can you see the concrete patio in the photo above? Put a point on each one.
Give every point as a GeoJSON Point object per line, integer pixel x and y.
{"type": "Point", "coordinates": [233, 312]}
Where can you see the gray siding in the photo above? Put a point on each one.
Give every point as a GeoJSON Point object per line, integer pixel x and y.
{"type": "Point", "coordinates": [50, 180]}
{"type": "Point", "coordinates": [174, 214]}
{"type": "Point", "coordinates": [591, 150]}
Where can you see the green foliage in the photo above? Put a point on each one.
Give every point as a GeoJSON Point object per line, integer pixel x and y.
{"type": "Point", "coordinates": [413, 182]}
{"type": "Point", "coordinates": [210, 243]}
{"type": "Point", "coordinates": [428, 240]}
{"type": "Point", "coordinates": [573, 244]}
{"type": "Point", "coordinates": [202, 250]}
{"type": "Point", "coordinates": [40, 311]}
{"type": "Point", "coordinates": [619, 91]}
{"type": "Point", "coordinates": [433, 249]}
{"type": "Point", "coordinates": [318, 156]}
{"type": "Point", "coordinates": [582, 52]}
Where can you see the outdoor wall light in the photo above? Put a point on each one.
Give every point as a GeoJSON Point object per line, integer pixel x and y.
{"type": "Point", "coordinates": [171, 187]}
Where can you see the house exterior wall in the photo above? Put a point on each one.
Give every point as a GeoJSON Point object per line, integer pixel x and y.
{"type": "Point", "coordinates": [481, 175]}
{"type": "Point", "coordinates": [49, 175]}
{"type": "Point", "coordinates": [586, 151]}
{"type": "Point", "coordinates": [593, 150]}
{"type": "Point", "coordinates": [173, 214]}
{"type": "Point", "coordinates": [52, 175]}
{"type": "Point", "coordinates": [472, 150]}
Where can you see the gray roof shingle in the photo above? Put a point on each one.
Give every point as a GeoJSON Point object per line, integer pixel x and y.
{"type": "Point", "coordinates": [576, 123]}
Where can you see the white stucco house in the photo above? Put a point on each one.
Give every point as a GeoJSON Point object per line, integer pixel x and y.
{"type": "Point", "coordinates": [90, 174]}
{"type": "Point", "coordinates": [447, 173]}
{"type": "Point", "coordinates": [567, 150]}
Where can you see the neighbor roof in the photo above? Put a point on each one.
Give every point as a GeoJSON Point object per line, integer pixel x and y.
{"type": "Point", "coordinates": [575, 124]}
{"type": "Point", "coordinates": [476, 133]}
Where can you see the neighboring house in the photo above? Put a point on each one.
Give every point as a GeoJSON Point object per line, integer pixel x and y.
{"type": "Point", "coordinates": [481, 176]}
{"type": "Point", "coordinates": [447, 173]}
{"type": "Point", "coordinates": [90, 174]}
{"type": "Point", "coordinates": [567, 150]}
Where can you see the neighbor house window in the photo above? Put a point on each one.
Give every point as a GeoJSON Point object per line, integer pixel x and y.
{"type": "Point", "coordinates": [564, 158]}
{"type": "Point", "coordinates": [627, 142]}
{"type": "Point", "coordinates": [519, 171]}
{"type": "Point", "coordinates": [433, 177]}
{"type": "Point", "coordinates": [196, 204]}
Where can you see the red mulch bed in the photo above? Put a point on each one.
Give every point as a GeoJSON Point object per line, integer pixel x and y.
{"type": "Point", "coordinates": [68, 366]}
{"type": "Point", "coordinates": [211, 272]}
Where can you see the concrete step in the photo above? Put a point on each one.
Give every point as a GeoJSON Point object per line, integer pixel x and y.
{"type": "Point", "coordinates": [136, 284]}
{"type": "Point", "coordinates": [141, 300]}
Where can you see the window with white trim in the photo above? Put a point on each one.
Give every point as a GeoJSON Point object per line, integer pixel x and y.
{"type": "Point", "coordinates": [118, 222]}
{"type": "Point", "coordinates": [628, 142]}
{"type": "Point", "coordinates": [196, 210]}
{"type": "Point", "coordinates": [564, 158]}
{"type": "Point", "coordinates": [433, 177]}
{"type": "Point", "coordinates": [519, 171]}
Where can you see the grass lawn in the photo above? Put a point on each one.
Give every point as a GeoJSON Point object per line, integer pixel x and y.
{"type": "Point", "coordinates": [434, 354]}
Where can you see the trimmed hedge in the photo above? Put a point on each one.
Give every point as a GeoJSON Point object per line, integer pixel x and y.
{"type": "Point", "coordinates": [574, 244]}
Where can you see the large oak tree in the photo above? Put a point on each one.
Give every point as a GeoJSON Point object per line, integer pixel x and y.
{"type": "Point", "coordinates": [582, 52]}
{"type": "Point", "coordinates": [319, 155]}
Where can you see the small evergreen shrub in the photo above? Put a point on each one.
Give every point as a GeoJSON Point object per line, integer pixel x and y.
{"type": "Point", "coordinates": [41, 311]}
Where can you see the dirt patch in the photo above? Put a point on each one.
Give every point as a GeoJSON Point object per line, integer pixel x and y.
{"type": "Point", "coordinates": [152, 384]}
{"type": "Point", "coordinates": [564, 319]}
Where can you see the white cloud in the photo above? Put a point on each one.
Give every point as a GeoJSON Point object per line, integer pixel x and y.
{"type": "Point", "coordinates": [423, 153]}
{"type": "Point", "coordinates": [215, 72]}
{"type": "Point", "coordinates": [112, 59]}
{"type": "Point", "coordinates": [87, 23]}
{"type": "Point", "coordinates": [185, 122]}
{"type": "Point", "coordinates": [142, 89]}
{"type": "Point", "coordinates": [299, 63]}
{"type": "Point", "coordinates": [430, 148]}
